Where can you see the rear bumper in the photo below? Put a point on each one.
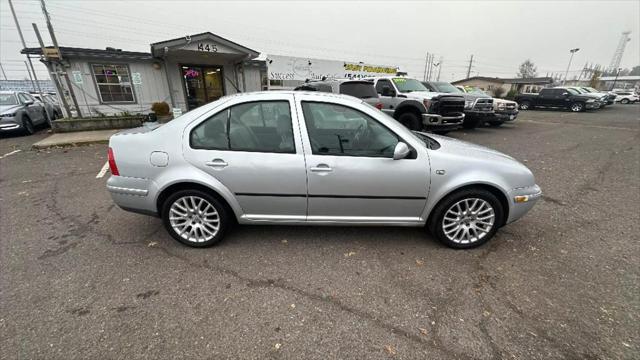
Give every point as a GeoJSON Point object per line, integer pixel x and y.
{"type": "Point", "coordinates": [435, 121]}
{"type": "Point", "coordinates": [133, 194]}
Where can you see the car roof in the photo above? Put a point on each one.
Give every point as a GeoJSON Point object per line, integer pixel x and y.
{"type": "Point", "coordinates": [294, 92]}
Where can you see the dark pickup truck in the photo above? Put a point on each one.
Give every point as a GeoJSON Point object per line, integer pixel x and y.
{"type": "Point", "coordinates": [557, 98]}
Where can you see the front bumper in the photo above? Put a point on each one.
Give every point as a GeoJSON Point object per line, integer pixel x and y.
{"type": "Point", "coordinates": [435, 121]}
{"type": "Point", "coordinates": [521, 200]}
{"type": "Point", "coordinates": [10, 123]}
{"type": "Point", "coordinates": [478, 115]}
{"type": "Point", "coordinates": [506, 115]}
{"type": "Point", "coordinates": [592, 105]}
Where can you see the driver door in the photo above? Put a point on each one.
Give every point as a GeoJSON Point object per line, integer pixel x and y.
{"type": "Point", "coordinates": [351, 174]}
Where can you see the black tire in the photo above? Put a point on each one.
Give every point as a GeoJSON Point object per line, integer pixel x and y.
{"type": "Point", "coordinates": [220, 208]}
{"type": "Point", "coordinates": [624, 101]}
{"type": "Point", "coordinates": [469, 123]}
{"type": "Point", "coordinates": [47, 119]}
{"type": "Point", "coordinates": [495, 123]}
{"type": "Point", "coordinates": [577, 107]}
{"type": "Point", "coordinates": [525, 105]}
{"type": "Point", "coordinates": [435, 225]}
{"type": "Point", "coordinates": [410, 120]}
{"type": "Point", "coordinates": [27, 125]}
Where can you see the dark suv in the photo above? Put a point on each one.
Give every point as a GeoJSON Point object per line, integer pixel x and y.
{"type": "Point", "coordinates": [478, 108]}
{"type": "Point", "coordinates": [357, 88]}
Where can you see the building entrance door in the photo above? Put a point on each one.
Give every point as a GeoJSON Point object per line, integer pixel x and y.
{"type": "Point", "coordinates": [203, 84]}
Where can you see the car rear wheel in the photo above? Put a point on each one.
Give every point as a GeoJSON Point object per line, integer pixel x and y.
{"type": "Point", "coordinates": [410, 120]}
{"type": "Point", "coordinates": [577, 107]}
{"type": "Point", "coordinates": [467, 218]}
{"type": "Point", "coordinates": [195, 218]}
{"type": "Point", "coordinates": [525, 105]}
{"type": "Point", "coordinates": [27, 125]}
{"type": "Point", "coordinates": [624, 101]}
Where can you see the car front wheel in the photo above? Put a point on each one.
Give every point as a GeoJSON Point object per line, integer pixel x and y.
{"type": "Point", "coordinates": [577, 107]}
{"type": "Point", "coordinates": [27, 125]}
{"type": "Point", "coordinates": [525, 105]}
{"type": "Point", "coordinates": [467, 218]}
{"type": "Point", "coordinates": [624, 101]}
{"type": "Point", "coordinates": [195, 218]}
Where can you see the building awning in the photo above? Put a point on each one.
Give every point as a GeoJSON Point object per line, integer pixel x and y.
{"type": "Point", "coordinates": [108, 53]}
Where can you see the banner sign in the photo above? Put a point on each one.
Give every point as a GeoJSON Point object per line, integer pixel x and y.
{"type": "Point", "coordinates": [295, 68]}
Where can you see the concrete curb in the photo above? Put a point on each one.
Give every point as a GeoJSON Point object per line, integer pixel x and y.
{"type": "Point", "coordinates": [74, 139]}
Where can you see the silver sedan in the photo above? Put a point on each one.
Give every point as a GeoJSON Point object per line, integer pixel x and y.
{"type": "Point", "coordinates": [308, 158]}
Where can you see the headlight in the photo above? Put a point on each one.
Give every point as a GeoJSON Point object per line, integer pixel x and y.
{"type": "Point", "coordinates": [468, 104]}
{"type": "Point", "coordinates": [591, 100]}
{"type": "Point", "coordinates": [501, 106]}
{"type": "Point", "coordinates": [8, 115]}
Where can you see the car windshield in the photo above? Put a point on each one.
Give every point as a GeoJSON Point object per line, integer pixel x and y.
{"type": "Point", "coordinates": [8, 99]}
{"type": "Point", "coordinates": [359, 89]}
{"type": "Point", "coordinates": [406, 85]}
{"type": "Point", "coordinates": [445, 87]}
{"type": "Point", "coordinates": [590, 89]}
{"type": "Point", "coordinates": [428, 142]}
{"type": "Point", "coordinates": [475, 90]}
{"type": "Point", "coordinates": [572, 91]}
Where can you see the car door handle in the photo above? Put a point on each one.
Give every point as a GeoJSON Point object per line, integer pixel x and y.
{"type": "Point", "coordinates": [321, 168]}
{"type": "Point", "coordinates": [217, 163]}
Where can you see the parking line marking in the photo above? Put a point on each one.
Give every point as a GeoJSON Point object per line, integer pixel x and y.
{"type": "Point", "coordinates": [103, 171]}
{"type": "Point", "coordinates": [10, 153]}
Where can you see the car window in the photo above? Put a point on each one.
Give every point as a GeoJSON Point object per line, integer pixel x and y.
{"type": "Point", "coordinates": [359, 89]}
{"type": "Point", "coordinates": [324, 88]}
{"type": "Point", "coordinates": [22, 98]}
{"type": "Point", "coordinates": [406, 85]}
{"type": "Point", "coordinates": [261, 126]}
{"type": "Point", "coordinates": [340, 130]}
{"type": "Point", "coordinates": [8, 99]}
{"type": "Point", "coordinates": [212, 133]}
{"type": "Point", "coordinates": [382, 83]}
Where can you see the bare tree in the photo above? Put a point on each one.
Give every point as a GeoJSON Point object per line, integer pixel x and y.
{"type": "Point", "coordinates": [527, 69]}
{"type": "Point", "coordinates": [595, 79]}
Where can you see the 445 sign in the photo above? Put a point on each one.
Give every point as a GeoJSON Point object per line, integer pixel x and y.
{"type": "Point", "coordinates": [207, 47]}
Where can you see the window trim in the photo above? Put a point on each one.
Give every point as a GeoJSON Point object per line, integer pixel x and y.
{"type": "Point", "coordinates": [228, 110]}
{"type": "Point", "coordinates": [413, 154]}
{"type": "Point", "coordinates": [97, 86]}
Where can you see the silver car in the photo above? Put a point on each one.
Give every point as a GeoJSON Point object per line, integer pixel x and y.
{"type": "Point", "coordinates": [312, 158]}
{"type": "Point", "coordinates": [20, 111]}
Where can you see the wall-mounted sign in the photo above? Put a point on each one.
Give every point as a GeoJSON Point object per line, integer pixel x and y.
{"type": "Point", "coordinates": [77, 77]}
{"type": "Point", "coordinates": [207, 47]}
{"type": "Point", "coordinates": [295, 68]}
{"type": "Point", "coordinates": [51, 53]}
{"type": "Point", "coordinates": [136, 78]}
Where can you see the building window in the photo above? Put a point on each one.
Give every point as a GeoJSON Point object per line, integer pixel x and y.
{"type": "Point", "coordinates": [113, 82]}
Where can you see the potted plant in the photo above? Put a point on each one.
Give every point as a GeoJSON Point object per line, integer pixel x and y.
{"type": "Point", "coordinates": [162, 111]}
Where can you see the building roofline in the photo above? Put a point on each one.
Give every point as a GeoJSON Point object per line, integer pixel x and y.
{"type": "Point", "coordinates": [92, 53]}
{"type": "Point", "coordinates": [228, 42]}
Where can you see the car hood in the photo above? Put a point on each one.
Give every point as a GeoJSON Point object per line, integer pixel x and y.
{"type": "Point", "coordinates": [467, 149]}
{"type": "Point", "coordinates": [421, 95]}
{"type": "Point", "coordinates": [9, 108]}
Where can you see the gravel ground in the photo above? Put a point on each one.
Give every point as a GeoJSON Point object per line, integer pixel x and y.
{"type": "Point", "coordinates": [80, 278]}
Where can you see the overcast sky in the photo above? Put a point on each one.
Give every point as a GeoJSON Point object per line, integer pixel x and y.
{"type": "Point", "coordinates": [500, 34]}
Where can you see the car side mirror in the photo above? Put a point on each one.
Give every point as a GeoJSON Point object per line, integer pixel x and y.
{"type": "Point", "coordinates": [386, 91]}
{"type": "Point", "coordinates": [401, 151]}
{"type": "Point", "coordinates": [28, 102]}
{"type": "Point", "coordinates": [565, 94]}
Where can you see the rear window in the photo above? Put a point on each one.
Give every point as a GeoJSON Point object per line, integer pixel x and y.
{"type": "Point", "coordinates": [361, 90]}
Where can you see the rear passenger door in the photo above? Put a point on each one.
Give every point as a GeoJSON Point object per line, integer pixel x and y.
{"type": "Point", "coordinates": [252, 149]}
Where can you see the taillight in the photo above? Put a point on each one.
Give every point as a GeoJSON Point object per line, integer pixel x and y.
{"type": "Point", "coordinates": [112, 163]}
{"type": "Point", "coordinates": [379, 106]}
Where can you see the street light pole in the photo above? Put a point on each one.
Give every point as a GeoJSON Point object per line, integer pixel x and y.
{"type": "Point", "coordinates": [572, 51]}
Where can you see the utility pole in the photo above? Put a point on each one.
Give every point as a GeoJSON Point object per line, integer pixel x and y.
{"type": "Point", "coordinates": [24, 46]}
{"type": "Point", "coordinates": [3, 73]}
{"type": "Point", "coordinates": [53, 74]}
{"type": "Point", "coordinates": [572, 51]}
{"type": "Point", "coordinates": [59, 53]}
{"type": "Point", "coordinates": [426, 62]}
{"type": "Point", "coordinates": [470, 64]}
{"type": "Point", "coordinates": [30, 77]}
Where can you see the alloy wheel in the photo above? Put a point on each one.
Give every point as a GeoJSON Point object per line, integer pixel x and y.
{"type": "Point", "coordinates": [194, 219]}
{"type": "Point", "coordinates": [468, 220]}
{"type": "Point", "coordinates": [576, 107]}
{"type": "Point", "coordinates": [524, 106]}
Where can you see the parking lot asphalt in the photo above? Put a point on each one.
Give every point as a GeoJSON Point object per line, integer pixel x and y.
{"type": "Point", "coordinates": [80, 278]}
